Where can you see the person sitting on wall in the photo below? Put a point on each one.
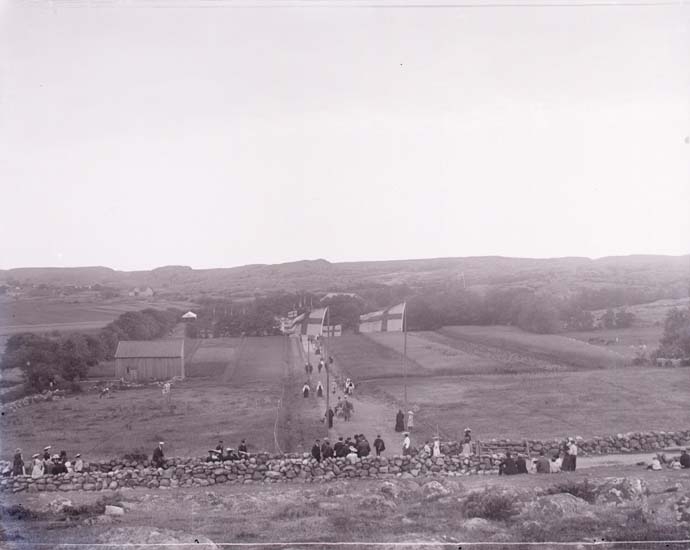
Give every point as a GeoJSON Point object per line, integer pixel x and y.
{"type": "Point", "coordinates": [507, 466]}
{"type": "Point", "coordinates": [684, 458]}
{"type": "Point", "coordinates": [555, 464]}
{"type": "Point", "coordinates": [543, 466]}
{"type": "Point", "coordinates": [242, 449]}
{"type": "Point", "coordinates": [521, 464]}
{"type": "Point", "coordinates": [158, 457]}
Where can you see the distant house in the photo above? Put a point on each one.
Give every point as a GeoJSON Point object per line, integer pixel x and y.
{"type": "Point", "coordinates": [150, 359]}
{"type": "Point", "coordinates": [143, 292]}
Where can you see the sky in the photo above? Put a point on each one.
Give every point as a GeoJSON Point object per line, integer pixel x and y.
{"type": "Point", "coordinates": [136, 134]}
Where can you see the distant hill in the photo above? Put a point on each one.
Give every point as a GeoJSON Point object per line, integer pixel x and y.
{"type": "Point", "coordinates": [556, 274]}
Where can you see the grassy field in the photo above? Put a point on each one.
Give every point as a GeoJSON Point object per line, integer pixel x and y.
{"type": "Point", "coordinates": [238, 401]}
{"type": "Point", "coordinates": [624, 341]}
{"type": "Point", "coordinates": [50, 314]}
{"type": "Point", "coordinates": [504, 385]}
{"type": "Point", "coordinates": [550, 405]}
{"type": "Point", "coordinates": [551, 348]}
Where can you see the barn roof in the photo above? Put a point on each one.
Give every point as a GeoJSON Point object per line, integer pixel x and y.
{"type": "Point", "coordinates": [146, 348]}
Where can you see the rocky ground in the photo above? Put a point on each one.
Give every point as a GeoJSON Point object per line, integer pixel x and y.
{"type": "Point", "coordinates": [622, 503]}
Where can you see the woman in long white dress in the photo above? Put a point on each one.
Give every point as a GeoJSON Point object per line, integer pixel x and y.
{"type": "Point", "coordinates": [37, 470]}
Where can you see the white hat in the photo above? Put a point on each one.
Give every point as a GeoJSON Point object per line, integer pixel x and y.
{"type": "Point", "coordinates": [36, 455]}
{"type": "Point", "coordinates": [161, 443]}
{"type": "Point", "coordinates": [46, 448]}
{"type": "Point", "coordinates": [78, 455]}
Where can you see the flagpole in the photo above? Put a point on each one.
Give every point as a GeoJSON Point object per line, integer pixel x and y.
{"type": "Point", "coordinates": [328, 373]}
{"type": "Point", "coordinates": [404, 365]}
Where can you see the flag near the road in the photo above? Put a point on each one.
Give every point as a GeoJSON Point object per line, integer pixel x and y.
{"type": "Point", "coordinates": [387, 320]}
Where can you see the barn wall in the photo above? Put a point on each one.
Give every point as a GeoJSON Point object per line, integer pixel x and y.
{"type": "Point", "coordinates": [156, 368]}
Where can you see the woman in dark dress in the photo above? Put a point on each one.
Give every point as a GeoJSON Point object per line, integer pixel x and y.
{"type": "Point", "coordinates": [400, 421]}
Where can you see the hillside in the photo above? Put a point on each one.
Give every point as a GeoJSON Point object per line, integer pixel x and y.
{"type": "Point", "coordinates": [556, 274]}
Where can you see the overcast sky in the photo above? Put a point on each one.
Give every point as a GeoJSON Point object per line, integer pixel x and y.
{"type": "Point", "coordinates": [135, 137]}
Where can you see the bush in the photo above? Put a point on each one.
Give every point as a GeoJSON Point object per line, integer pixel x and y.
{"type": "Point", "coordinates": [580, 489]}
{"type": "Point", "coordinates": [490, 504]}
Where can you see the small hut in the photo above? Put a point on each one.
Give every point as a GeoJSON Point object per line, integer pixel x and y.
{"type": "Point", "coordinates": [149, 360]}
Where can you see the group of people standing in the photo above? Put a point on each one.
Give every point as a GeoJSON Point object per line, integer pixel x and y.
{"type": "Point", "coordinates": [352, 448]}
{"type": "Point", "coordinates": [46, 464]}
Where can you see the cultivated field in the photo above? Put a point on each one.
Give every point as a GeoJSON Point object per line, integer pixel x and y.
{"type": "Point", "coordinates": [47, 314]}
{"type": "Point", "coordinates": [240, 400]}
{"type": "Point", "coordinates": [504, 383]}
{"type": "Point", "coordinates": [561, 351]}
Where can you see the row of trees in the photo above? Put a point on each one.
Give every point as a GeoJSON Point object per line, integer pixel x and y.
{"type": "Point", "coordinates": [530, 310]}
{"type": "Point", "coordinates": [675, 343]}
{"type": "Point", "coordinates": [48, 358]}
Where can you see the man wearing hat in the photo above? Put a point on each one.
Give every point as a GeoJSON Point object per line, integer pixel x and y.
{"type": "Point", "coordinates": [219, 447]}
{"type": "Point", "coordinates": [158, 458]}
{"type": "Point", "coordinates": [46, 453]}
{"type": "Point", "coordinates": [684, 458]}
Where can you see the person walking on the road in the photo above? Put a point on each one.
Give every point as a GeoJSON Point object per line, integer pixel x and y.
{"type": "Point", "coordinates": [329, 416]}
{"type": "Point", "coordinates": [410, 419]}
{"type": "Point", "coordinates": [379, 445]}
{"type": "Point", "coordinates": [316, 451]}
{"type": "Point", "coordinates": [319, 389]}
{"type": "Point", "coordinates": [348, 409]}
{"type": "Point", "coordinates": [400, 421]}
{"type": "Point", "coordinates": [406, 450]}
{"type": "Point", "coordinates": [305, 390]}
{"type": "Point", "coordinates": [321, 365]}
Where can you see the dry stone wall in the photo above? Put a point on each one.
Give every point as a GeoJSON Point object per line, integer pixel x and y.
{"type": "Point", "coordinates": [266, 468]}
{"type": "Point", "coordinates": [632, 442]}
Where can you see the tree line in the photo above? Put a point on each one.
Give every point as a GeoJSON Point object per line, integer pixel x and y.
{"type": "Point", "coordinates": [46, 358]}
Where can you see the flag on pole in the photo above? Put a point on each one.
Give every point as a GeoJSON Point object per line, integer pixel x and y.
{"type": "Point", "coordinates": [387, 320]}
{"type": "Point", "coordinates": [310, 323]}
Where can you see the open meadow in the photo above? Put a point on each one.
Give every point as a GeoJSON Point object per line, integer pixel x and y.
{"type": "Point", "coordinates": [48, 314]}
{"type": "Point", "coordinates": [234, 390]}
{"type": "Point", "coordinates": [546, 405]}
{"type": "Point", "coordinates": [504, 383]}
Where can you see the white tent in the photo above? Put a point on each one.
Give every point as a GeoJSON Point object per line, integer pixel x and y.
{"type": "Point", "coordinates": [189, 315]}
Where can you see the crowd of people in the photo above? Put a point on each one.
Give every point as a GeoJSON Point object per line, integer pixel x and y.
{"type": "Point", "coordinates": [352, 448]}
{"type": "Point", "coordinates": [45, 464]}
